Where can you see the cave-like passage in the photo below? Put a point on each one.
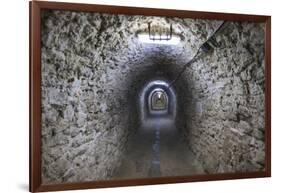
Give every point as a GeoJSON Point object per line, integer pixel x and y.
{"type": "Point", "coordinates": [161, 142]}
{"type": "Point", "coordinates": [158, 147]}
{"type": "Point", "coordinates": [96, 67]}
{"type": "Point", "coordinates": [157, 103]}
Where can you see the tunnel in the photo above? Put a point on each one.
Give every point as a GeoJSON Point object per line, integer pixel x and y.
{"type": "Point", "coordinates": [118, 106]}
{"type": "Point", "coordinates": [157, 99]}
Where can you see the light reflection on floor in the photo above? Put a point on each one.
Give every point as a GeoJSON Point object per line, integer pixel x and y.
{"type": "Point", "coordinates": [158, 149]}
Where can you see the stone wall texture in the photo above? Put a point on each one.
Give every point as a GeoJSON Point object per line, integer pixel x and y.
{"type": "Point", "coordinates": [93, 67]}
{"type": "Point", "coordinates": [226, 106]}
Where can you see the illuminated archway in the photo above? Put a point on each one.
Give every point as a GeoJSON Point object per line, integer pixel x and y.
{"type": "Point", "coordinates": [157, 99]}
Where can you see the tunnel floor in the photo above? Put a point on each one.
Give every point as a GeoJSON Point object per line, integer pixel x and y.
{"type": "Point", "coordinates": [156, 150]}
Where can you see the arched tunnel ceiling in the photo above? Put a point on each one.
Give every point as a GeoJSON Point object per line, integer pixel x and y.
{"type": "Point", "coordinates": [93, 67]}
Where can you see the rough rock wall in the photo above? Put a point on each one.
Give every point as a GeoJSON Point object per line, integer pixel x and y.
{"type": "Point", "coordinates": [225, 113]}
{"type": "Point", "coordinates": [85, 119]}
{"type": "Point", "coordinates": [93, 67]}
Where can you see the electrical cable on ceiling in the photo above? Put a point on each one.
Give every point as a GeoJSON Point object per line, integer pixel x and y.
{"type": "Point", "coordinates": [205, 47]}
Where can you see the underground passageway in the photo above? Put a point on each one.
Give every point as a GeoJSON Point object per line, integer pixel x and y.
{"type": "Point", "coordinates": [158, 147]}
{"type": "Point", "coordinates": [120, 101]}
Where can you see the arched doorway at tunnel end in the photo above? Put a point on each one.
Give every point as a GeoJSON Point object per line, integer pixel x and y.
{"type": "Point", "coordinates": [157, 100]}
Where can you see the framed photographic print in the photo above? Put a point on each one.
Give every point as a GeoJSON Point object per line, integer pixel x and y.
{"type": "Point", "coordinates": [123, 96]}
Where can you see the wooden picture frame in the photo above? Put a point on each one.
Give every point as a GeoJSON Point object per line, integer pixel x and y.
{"type": "Point", "coordinates": [36, 8]}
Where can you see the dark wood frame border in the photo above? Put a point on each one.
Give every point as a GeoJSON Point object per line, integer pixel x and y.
{"type": "Point", "coordinates": [35, 8]}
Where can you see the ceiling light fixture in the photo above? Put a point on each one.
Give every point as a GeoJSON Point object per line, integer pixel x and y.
{"type": "Point", "coordinates": [144, 38]}
{"type": "Point", "coordinates": [158, 35]}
